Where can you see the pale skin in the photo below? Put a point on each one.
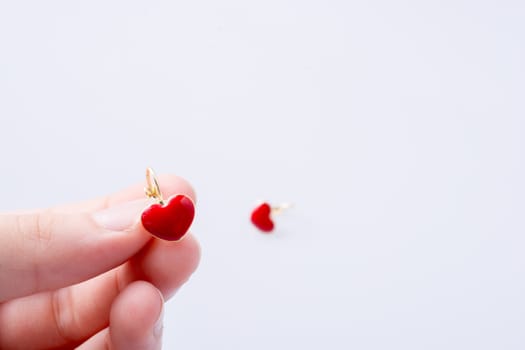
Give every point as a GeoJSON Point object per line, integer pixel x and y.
{"type": "Point", "coordinates": [88, 275]}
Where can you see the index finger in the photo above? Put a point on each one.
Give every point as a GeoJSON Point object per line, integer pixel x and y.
{"type": "Point", "coordinates": [169, 184]}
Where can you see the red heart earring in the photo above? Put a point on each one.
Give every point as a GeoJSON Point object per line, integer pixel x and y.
{"type": "Point", "coordinates": [168, 220]}
{"type": "Point", "coordinates": [262, 216]}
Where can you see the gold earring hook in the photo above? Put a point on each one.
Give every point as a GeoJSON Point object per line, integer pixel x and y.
{"type": "Point", "coordinates": [153, 190]}
{"type": "Point", "coordinates": [280, 208]}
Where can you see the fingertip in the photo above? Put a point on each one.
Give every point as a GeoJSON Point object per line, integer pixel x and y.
{"type": "Point", "coordinates": [136, 317]}
{"type": "Point", "coordinates": [191, 249]}
{"type": "Point", "coordinates": [172, 184]}
{"type": "Point", "coordinates": [167, 265]}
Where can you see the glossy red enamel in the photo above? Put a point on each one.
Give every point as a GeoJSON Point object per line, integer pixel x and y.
{"type": "Point", "coordinates": [170, 221]}
{"type": "Point", "coordinates": [261, 217]}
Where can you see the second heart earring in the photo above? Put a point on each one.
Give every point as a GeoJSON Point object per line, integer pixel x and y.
{"type": "Point", "coordinates": [262, 214]}
{"type": "Point", "coordinates": [168, 220]}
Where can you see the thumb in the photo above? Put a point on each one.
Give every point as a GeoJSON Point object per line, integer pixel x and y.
{"type": "Point", "coordinates": [48, 250]}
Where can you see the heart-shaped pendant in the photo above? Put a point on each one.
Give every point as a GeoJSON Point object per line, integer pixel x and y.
{"type": "Point", "coordinates": [169, 221]}
{"type": "Point", "coordinates": [261, 217]}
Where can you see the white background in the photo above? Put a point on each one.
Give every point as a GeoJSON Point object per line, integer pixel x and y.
{"type": "Point", "coordinates": [395, 127]}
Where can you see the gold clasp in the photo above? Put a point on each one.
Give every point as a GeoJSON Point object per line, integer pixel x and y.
{"type": "Point", "coordinates": [153, 190]}
{"type": "Point", "coordinates": [280, 208]}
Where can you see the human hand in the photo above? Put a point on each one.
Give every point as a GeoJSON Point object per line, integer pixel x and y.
{"type": "Point", "coordinates": [88, 275]}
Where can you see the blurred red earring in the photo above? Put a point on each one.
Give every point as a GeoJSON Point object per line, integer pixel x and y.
{"type": "Point", "coordinates": [168, 220]}
{"type": "Point", "coordinates": [261, 216]}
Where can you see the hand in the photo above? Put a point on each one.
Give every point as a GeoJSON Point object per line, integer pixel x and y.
{"type": "Point", "coordinates": [89, 275]}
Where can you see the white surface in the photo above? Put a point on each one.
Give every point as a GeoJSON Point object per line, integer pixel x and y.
{"type": "Point", "coordinates": [396, 128]}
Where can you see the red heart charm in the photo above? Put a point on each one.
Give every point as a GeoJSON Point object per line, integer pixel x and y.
{"type": "Point", "coordinates": [169, 221]}
{"type": "Point", "coordinates": [261, 217]}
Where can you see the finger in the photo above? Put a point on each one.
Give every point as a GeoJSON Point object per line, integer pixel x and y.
{"type": "Point", "coordinates": [142, 331]}
{"type": "Point", "coordinates": [167, 265]}
{"type": "Point", "coordinates": [170, 185]}
{"type": "Point", "coordinates": [135, 322]}
{"type": "Point", "coordinates": [73, 314]}
{"type": "Point", "coordinates": [48, 250]}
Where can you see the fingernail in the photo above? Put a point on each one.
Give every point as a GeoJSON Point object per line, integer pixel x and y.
{"type": "Point", "coordinates": [159, 325]}
{"type": "Point", "coordinates": [121, 216]}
